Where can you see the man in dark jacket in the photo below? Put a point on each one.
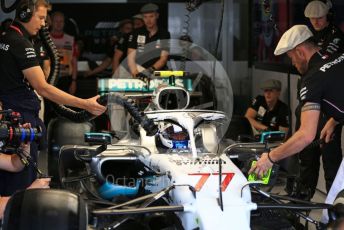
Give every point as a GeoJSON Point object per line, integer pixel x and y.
{"type": "Point", "coordinates": [331, 40]}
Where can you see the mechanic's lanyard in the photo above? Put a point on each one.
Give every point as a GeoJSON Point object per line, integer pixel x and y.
{"type": "Point", "coordinates": [17, 29]}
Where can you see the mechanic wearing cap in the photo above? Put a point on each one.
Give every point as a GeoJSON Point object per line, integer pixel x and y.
{"type": "Point", "coordinates": [149, 44]}
{"type": "Point", "coordinates": [138, 21]}
{"type": "Point", "coordinates": [326, 35]}
{"type": "Point", "coordinates": [330, 39]}
{"type": "Point", "coordinates": [268, 112]}
{"type": "Point", "coordinates": [321, 90]}
{"type": "Point", "coordinates": [119, 66]}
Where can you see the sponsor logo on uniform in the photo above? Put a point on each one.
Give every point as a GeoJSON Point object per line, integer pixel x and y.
{"type": "Point", "coordinates": [4, 46]}
{"type": "Point", "coordinates": [325, 56]}
{"type": "Point", "coordinates": [141, 39]}
{"type": "Point", "coordinates": [30, 53]}
{"type": "Point", "coordinates": [303, 93]}
{"type": "Point", "coordinates": [332, 63]}
{"type": "Point", "coordinates": [41, 51]}
{"type": "Point", "coordinates": [261, 111]}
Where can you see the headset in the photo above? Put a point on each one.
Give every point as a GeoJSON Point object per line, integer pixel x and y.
{"type": "Point", "coordinates": [25, 10]}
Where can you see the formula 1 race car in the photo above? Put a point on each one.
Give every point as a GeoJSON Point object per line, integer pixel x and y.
{"type": "Point", "coordinates": [171, 176]}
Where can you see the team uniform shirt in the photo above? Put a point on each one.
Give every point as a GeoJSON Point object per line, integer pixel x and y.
{"type": "Point", "coordinates": [67, 50]}
{"type": "Point", "coordinates": [148, 49]}
{"type": "Point", "coordinates": [278, 116]}
{"type": "Point", "coordinates": [323, 84]}
{"type": "Point", "coordinates": [330, 39]}
{"type": "Point", "coordinates": [17, 53]}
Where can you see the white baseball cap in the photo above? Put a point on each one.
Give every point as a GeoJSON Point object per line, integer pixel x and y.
{"type": "Point", "coordinates": [292, 38]}
{"type": "Point", "coordinates": [316, 9]}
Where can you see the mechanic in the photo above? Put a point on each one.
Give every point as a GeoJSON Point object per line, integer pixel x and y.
{"type": "Point", "coordinates": [138, 21]}
{"type": "Point", "coordinates": [321, 90]}
{"type": "Point", "coordinates": [125, 28]}
{"type": "Point", "coordinates": [153, 56]}
{"type": "Point", "coordinates": [20, 75]}
{"type": "Point", "coordinates": [268, 112]}
{"type": "Point", "coordinates": [326, 35]}
{"type": "Point", "coordinates": [331, 40]}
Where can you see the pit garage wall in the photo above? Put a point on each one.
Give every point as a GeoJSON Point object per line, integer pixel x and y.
{"type": "Point", "coordinates": [259, 75]}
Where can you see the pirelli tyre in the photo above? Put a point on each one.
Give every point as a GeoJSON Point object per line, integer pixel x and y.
{"type": "Point", "coordinates": [45, 209]}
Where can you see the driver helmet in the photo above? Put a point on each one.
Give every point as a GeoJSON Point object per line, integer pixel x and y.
{"type": "Point", "coordinates": [174, 137]}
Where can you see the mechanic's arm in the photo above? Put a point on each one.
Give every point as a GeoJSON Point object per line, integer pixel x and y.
{"type": "Point", "coordinates": [131, 62]}
{"type": "Point", "coordinates": [162, 60]}
{"type": "Point", "coordinates": [327, 131]}
{"type": "Point", "coordinates": [115, 64]}
{"type": "Point", "coordinates": [105, 63]}
{"type": "Point", "coordinates": [303, 137]}
{"type": "Point", "coordinates": [10, 163]}
{"type": "Point", "coordinates": [251, 115]}
{"type": "Point", "coordinates": [36, 79]}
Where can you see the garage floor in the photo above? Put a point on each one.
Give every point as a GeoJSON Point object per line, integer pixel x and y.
{"type": "Point", "coordinates": [318, 197]}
